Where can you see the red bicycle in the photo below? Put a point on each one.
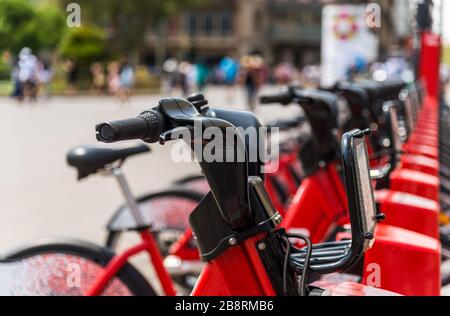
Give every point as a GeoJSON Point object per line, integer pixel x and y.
{"type": "Point", "coordinates": [242, 221]}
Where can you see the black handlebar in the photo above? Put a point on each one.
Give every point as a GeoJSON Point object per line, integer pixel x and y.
{"type": "Point", "coordinates": [228, 181]}
{"type": "Point", "coordinates": [287, 124]}
{"type": "Point", "coordinates": [148, 126]}
{"type": "Point", "coordinates": [284, 98]}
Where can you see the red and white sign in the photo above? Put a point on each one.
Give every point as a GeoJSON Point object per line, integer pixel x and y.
{"type": "Point", "coordinates": [346, 41]}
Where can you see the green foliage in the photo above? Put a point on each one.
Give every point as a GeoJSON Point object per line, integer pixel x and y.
{"type": "Point", "coordinates": [41, 24]}
{"type": "Point", "coordinates": [5, 88]}
{"type": "Point", "coordinates": [129, 20]}
{"type": "Point", "coordinates": [50, 24]}
{"type": "Point", "coordinates": [84, 45]}
{"type": "Point", "coordinates": [5, 70]}
{"type": "Point", "coordinates": [23, 24]}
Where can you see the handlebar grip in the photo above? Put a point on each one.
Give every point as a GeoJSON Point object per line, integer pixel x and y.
{"type": "Point", "coordinates": [282, 97]}
{"type": "Point", "coordinates": [147, 126]}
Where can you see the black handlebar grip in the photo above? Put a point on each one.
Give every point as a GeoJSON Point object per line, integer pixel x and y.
{"type": "Point", "coordinates": [283, 97]}
{"type": "Point", "coordinates": [147, 126]}
{"type": "Point", "coordinates": [156, 125]}
{"type": "Point", "coordinates": [110, 132]}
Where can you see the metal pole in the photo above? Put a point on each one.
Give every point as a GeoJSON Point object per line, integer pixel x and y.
{"type": "Point", "coordinates": [130, 200]}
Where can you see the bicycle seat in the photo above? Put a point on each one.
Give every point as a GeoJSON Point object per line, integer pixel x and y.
{"type": "Point", "coordinates": [89, 159]}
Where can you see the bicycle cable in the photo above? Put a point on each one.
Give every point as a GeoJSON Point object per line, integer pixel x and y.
{"type": "Point", "coordinates": [302, 291]}
{"type": "Point", "coordinates": [382, 153]}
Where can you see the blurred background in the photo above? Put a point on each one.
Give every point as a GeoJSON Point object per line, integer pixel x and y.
{"type": "Point", "coordinates": [148, 46]}
{"type": "Point", "coordinates": [59, 77]}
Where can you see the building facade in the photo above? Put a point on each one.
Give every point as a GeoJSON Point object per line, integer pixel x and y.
{"type": "Point", "coordinates": [279, 30]}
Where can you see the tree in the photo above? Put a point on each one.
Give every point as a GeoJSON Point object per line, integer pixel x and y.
{"type": "Point", "coordinates": [128, 21]}
{"type": "Point", "coordinates": [84, 45]}
{"type": "Point", "coordinates": [22, 24]}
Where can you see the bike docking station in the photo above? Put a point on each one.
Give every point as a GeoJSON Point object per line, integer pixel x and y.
{"type": "Point", "coordinates": [355, 203]}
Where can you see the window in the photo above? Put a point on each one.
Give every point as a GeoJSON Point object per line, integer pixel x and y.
{"type": "Point", "coordinates": [191, 24]}
{"type": "Point", "coordinates": [257, 23]}
{"type": "Point", "coordinates": [208, 24]}
{"type": "Point", "coordinates": [227, 23]}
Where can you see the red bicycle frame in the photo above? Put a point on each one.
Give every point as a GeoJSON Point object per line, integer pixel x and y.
{"type": "Point", "coordinates": [237, 272]}
{"type": "Point", "coordinates": [286, 163]}
{"type": "Point", "coordinates": [316, 208]}
{"type": "Point", "coordinates": [148, 245]}
{"type": "Point", "coordinates": [220, 277]}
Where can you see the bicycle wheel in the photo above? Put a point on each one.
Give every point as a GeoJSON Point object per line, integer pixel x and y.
{"type": "Point", "coordinates": [196, 183]}
{"type": "Point", "coordinates": [65, 268]}
{"type": "Point", "coordinates": [166, 212]}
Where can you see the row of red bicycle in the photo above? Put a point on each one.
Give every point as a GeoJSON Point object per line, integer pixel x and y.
{"type": "Point", "coordinates": [358, 204]}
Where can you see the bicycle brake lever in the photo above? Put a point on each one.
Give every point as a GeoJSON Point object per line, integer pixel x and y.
{"type": "Point", "coordinates": [175, 134]}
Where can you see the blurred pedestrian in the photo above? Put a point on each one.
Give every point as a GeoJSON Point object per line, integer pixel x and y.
{"type": "Point", "coordinates": [72, 70]}
{"type": "Point", "coordinates": [229, 69]}
{"type": "Point", "coordinates": [16, 82]}
{"type": "Point", "coordinates": [252, 78]}
{"type": "Point", "coordinates": [250, 89]}
{"type": "Point", "coordinates": [201, 76]}
{"type": "Point", "coordinates": [184, 72]}
{"type": "Point", "coordinates": [310, 76]}
{"type": "Point", "coordinates": [27, 69]}
{"type": "Point", "coordinates": [126, 77]}
{"type": "Point", "coordinates": [44, 78]}
{"type": "Point", "coordinates": [114, 78]}
{"type": "Point", "coordinates": [98, 78]}
{"type": "Point", "coordinates": [284, 73]}
{"type": "Point", "coordinates": [168, 76]}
